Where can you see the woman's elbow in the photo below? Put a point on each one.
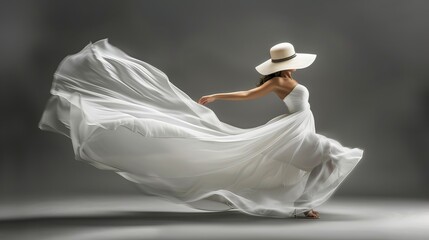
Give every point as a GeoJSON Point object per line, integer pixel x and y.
{"type": "Point", "coordinates": [251, 95]}
{"type": "Point", "coordinates": [246, 95]}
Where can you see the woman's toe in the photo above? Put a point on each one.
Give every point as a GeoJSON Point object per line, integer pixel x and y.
{"type": "Point", "coordinates": [313, 214]}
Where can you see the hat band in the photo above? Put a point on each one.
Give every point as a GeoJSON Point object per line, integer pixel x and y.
{"type": "Point", "coordinates": [283, 59]}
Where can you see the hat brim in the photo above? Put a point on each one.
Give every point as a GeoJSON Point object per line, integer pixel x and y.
{"type": "Point", "coordinates": [302, 60]}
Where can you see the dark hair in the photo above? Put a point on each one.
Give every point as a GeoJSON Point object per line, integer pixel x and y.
{"type": "Point", "coordinates": [265, 78]}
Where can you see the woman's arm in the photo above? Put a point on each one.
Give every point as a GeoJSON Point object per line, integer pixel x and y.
{"type": "Point", "coordinates": [253, 93]}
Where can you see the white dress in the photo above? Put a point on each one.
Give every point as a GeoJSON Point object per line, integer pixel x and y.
{"type": "Point", "coordinates": [124, 115]}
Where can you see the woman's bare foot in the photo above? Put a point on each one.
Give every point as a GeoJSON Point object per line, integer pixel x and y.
{"type": "Point", "coordinates": [312, 214]}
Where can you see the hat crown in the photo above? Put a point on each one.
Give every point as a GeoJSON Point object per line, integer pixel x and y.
{"type": "Point", "coordinates": [282, 50]}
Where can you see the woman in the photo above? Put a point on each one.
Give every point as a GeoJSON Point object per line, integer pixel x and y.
{"type": "Point", "coordinates": [278, 79]}
{"type": "Point", "coordinates": [124, 115]}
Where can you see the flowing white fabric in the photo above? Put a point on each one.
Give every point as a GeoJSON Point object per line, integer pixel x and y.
{"type": "Point", "coordinates": [124, 115]}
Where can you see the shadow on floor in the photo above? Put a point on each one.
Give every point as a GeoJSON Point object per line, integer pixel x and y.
{"type": "Point", "coordinates": [134, 218]}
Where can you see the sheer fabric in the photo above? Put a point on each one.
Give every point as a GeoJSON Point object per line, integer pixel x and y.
{"type": "Point", "coordinates": [124, 115]}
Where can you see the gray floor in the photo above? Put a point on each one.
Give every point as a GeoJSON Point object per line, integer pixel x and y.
{"type": "Point", "coordinates": [143, 217]}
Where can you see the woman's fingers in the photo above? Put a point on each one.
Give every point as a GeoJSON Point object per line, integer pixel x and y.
{"type": "Point", "coordinates": [204, 100]}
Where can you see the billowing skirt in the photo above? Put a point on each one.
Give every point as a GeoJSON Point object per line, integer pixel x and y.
{"type": "Point", "coordinates": [124, 115]}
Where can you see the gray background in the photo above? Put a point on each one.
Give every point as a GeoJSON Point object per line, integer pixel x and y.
{"type": "Point", "coordinates": [368, 87]}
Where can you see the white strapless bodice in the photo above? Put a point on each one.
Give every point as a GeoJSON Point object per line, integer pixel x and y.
{"type": "Point", "coordinates": [297, 99]}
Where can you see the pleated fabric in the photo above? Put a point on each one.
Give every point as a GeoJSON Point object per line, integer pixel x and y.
{"type": "Point", "coordinates": [124, 115]}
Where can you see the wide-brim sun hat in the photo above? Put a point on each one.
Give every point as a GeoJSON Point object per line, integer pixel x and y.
{"type": "Point", "coordinates": [284, 57]}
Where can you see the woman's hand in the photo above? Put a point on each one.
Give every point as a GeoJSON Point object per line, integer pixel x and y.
{"type": "Point", "coordinates": [207, 99]}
